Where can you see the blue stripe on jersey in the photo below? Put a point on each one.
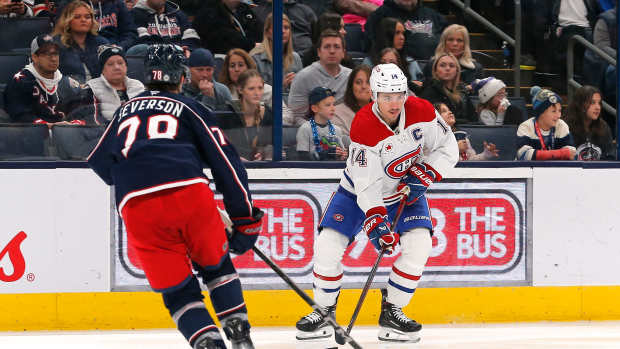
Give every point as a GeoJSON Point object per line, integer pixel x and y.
{"type": "Point", "coordinates": [346, 176]}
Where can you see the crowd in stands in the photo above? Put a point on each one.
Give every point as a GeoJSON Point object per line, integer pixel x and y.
{"type": "Point", "coordinates": [78, 70]}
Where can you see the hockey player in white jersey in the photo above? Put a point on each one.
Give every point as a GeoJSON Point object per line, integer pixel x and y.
{"type": "Point", "coordinates": [395, 141]}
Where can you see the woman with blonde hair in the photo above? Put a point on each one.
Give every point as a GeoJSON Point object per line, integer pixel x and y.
{"type": "Point", "coordinates": [445, 87]}
{"type": "Point", "coordinates": [76, 32]}
{"type": "Point", "coordinates": [455, 40]}
{"type": "Point", "coordinates": [262, 54]}
{"type": "Point", "coordinates": [235, 63]}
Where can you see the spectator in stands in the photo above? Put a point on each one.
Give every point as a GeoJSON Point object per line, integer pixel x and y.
{"type": "Point", "coordinates": [301, 20]}
{"type": "Point", "coordinates": [11, 9]}
{"type": "Point", "coordinates": [130, 4]}
{"type": "Point", "coordinates": [572, 17]}
{"type": "Point", "coordinates": [262, 55]}
{"type": "Point", "coordinates": [227, 24]}
{"type": "Point", "coordinates": [605, 32]}
{"type": "Point", "coordinates": [591, 133]}
{"type": "Point", "coordinates": [391, 34]}
{"type": "Point", "coordinates": [606, 38]}
{"type": "Point", "coordinates": [113, 87]}
{"type": "Point", "coordinates": [162, 22]}
{"type": "Point", "coordinates": [356, 96]}
{"type": "Point", "coordinates": [202, 86]}
{"type": "Point", "coordinates": [250, 132]}
{"type": "Point", "coordinates": [319, 7]}
{"type": "Point", "coordinates": [455, 40]}
{"type": "Point", "coordinates": [357, 11]}
{"type": "Point", "coordinates": [41, 94]}
{"type": "Point", "coordinates": [318, 138]}
{"type": "Point", "coordinates": [494, 108]}
{"type": "Point", "coordinates": [423, 25]}
{"type": "Point", "coordinates": [115, 21]}
{"type": "Point", "coordinates": [445, 87]}
{"type": "Point", "coordinates": [77, 33]}
{"type": "Point", "coordinates": [391, 55]}
{"type": "Point", "coordinates": [545, 136]}
{"type": "Point", "coordinates": [466, 151]}
{"type": "Point", "coordinates": [328, 20]}
{"type": "Point", "coordinates": [236, 62]}
{"type": "Point", "coordinates": [327, 72]}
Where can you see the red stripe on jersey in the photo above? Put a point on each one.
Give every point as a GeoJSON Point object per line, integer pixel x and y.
{"type": "Point", "coordinates": [327, 278]}
{"type": "Point", "coordinates": [405, 275]}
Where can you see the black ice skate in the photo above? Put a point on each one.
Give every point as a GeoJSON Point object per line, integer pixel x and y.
{"type": "Point", "coordinates": [395, 325]}
{"type": "Point", "coordinates": [210, 341]}
{"type": "Point", "coordinates": [314, 326]}
{"type": "Point", "coordinates": [238, 333]}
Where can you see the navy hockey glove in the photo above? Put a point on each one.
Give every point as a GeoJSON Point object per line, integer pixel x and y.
{"type": "Point", "coordinates": [378, 230]}
{"type": "Point", "coordinates": [419, 178]}
{"type": "Point", "coordinates": [245, 231]}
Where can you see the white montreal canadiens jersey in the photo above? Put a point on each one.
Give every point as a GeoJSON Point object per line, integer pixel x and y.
{"type": "Point", "coordinates": [379, 157]}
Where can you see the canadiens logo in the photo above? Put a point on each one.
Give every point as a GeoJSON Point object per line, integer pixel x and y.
{"type": "Point", "coordinates": [338, 217]}
{"type": "Point", "coordinates": [399, 166]}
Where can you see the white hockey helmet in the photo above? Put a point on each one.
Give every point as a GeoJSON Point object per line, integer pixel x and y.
{"type": "Point", "coordinates": [387, 78]}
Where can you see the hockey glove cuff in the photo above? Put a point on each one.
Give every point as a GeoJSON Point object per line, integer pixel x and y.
{"type": "Point", "coordinates": [378, 230]}
{"type": "Point", "coordinates": [245, 231]}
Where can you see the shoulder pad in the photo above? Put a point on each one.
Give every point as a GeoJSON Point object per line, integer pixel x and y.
{"type": "Point", "coordinates": [418, 110]}
{"type": "Point", "coordinates": [366, 128]}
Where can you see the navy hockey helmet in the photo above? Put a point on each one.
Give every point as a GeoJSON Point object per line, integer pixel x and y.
{"type": "Point", "coordinates": [165, 64]}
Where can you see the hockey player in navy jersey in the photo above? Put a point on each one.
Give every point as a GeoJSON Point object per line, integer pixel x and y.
{"type": "Point", "coordinates": [153, 152]}
{"type": "Point", "coordinates": [395, 141]}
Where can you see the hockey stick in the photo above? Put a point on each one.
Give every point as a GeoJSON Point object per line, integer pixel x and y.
{"type": "Point", "coordinates": [329, 318]}
{"type": "Point", "coordinates": [401, 206]}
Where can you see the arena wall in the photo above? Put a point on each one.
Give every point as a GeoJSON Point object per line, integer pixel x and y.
{"type": "Point", "coordinates": [60, 272]}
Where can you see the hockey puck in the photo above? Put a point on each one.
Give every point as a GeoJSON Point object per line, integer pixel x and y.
{"type": "Point", "coordinates": [332, 348]}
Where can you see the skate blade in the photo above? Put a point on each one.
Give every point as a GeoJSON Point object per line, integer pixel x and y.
{"type": "Point", "coordinates": [321, 333]}
{"type": "Point", "coordinates": [392, 335]}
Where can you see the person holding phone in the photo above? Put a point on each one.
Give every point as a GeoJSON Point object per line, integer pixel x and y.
{"type": "Point", "coordinates": [14, 8]}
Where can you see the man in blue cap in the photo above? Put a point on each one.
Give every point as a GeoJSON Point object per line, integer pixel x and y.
{"type": "Point", "coordinates": [202, 87]}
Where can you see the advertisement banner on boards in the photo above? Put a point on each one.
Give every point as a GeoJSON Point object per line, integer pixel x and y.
{"type": "Point", "coordinates": [54, 232]}
{"type": "Point", "coordinates": [479, 238]}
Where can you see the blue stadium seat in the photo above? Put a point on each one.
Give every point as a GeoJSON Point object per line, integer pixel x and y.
{"type": "Point", "coordinates": [219, 62]}
{"type": "Point", "coordinates": [75, 142]}
{"type": "Point", "coordinates": [354, 39]}
{"type": "Point", "coordinates": [504, 137]}
{"type": "Point", "coordinates": [289, 142]}
{"type": "Point", "coordinates": [17, 33]}
{"type": "Point", "coordinates": [135, 67]}
{"type": "Point", "coordinates": [11, 63]}
{"type": "Point", "coordinates": [4, 116]}
{"type": "Point", "coordinates": [23, 142]}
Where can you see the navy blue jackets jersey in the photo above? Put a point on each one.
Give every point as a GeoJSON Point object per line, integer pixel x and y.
{"type": "Point", "coordinates": [160, 140]}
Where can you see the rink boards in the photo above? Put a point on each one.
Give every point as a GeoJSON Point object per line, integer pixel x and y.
{"type": "Point", "coordinates": [544, 249]}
